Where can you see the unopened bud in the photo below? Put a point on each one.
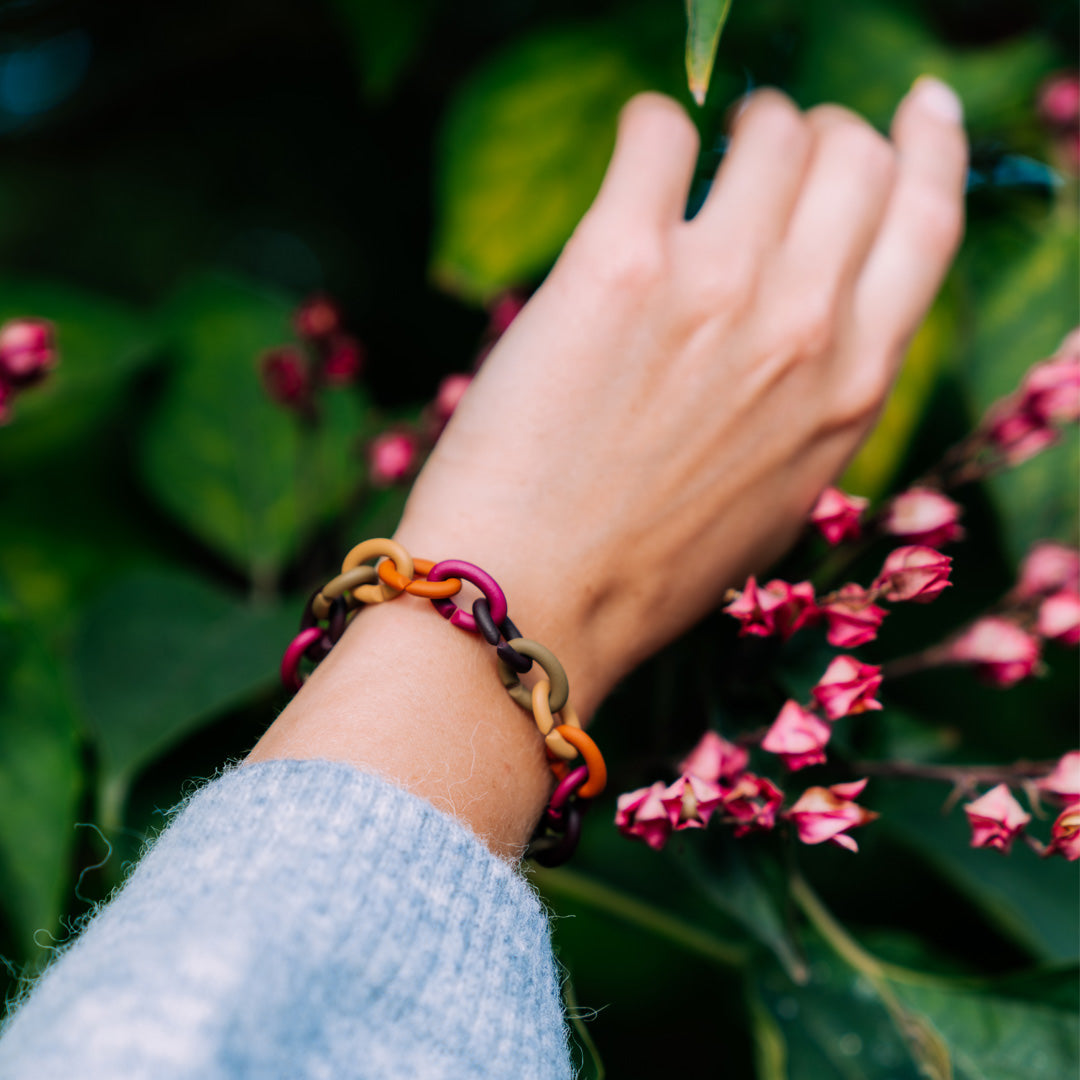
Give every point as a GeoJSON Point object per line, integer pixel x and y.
{"type": "Point", "coordinates": [27, 350]}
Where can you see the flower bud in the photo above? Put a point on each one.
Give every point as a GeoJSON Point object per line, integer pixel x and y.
{"type": "Point", "coordinates": [1065, 834]}
{"type": "Point", "coordinates": [752, 801]}
{"type": "Point", "coordinates": [996, 819]}
{"type": "Point", "coordinates": [1048, 567]}
{"type": "Point", "coordinates": [923, 516]}
{"type": "Point", "coordinates": [642, 815]}
{"type": "Point", "coordinates": [690, 802]}
{"type": "Point", "coordinates": [798, 736]}
{"type": "Point", "coordinates": [1063, 784]}
{"type": "Point", "coordinates": [776, 608]}
{"type": "Point", "coordinates": [504, 311]}
{"type": "Point", "coordinates": [344, 360]}
{"type": "Point", "coordinates": [1050, 391]}
{"type": "Point", "coordinates": [851, 618]}
{"type": "Point", "coordinates": [1059, 100]}
{"type": "Point", "coordinates": [27, 350]}
{"type": "Point", "coordinates": [7, 395]}
{"type": "Point", "coordinates": [286, 377]}
{"type": "Point", "coordinates": [914, 573]}
{"type": "Point", "coordinates": [1001, 652]}
{"type": "Point", "coordinates": [451, 391]}
{"type": "Point", "coordinates": [837, 515]}
{"type": "Point", "coordinates": [393, 457]}
{"type": "Point", "coordinates": [1059, 617]}
{"type": "Point", "coordinates": [824, 814]}
{"type": "Point", "coordinates": [316, 318]}
{"type": "Point", "coordinates": [847, 687]}
{"type": "Point", "coordinates": [714, 758]}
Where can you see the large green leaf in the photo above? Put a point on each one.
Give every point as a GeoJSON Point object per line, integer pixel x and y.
{"type": "Point", "coordinates": [99, 342]}
{"type": "Point", "coordinates": [704, 23]}
{"type": "Point", "coordinates": [159, 655]}
{"type": "Point", "coordinates": [39, 783]}
{"type": "Point", "coordinates": [867, 56]}
{"type": "Point", "coordinates": [1035, 901]}
{"type": "Point", "coordinates": [521, 155]}
{"type": "Point", "coordinates": [238, 470]}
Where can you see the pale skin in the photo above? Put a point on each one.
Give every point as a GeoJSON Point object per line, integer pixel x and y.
{"type": "Point", "coordinates": [654, 426]}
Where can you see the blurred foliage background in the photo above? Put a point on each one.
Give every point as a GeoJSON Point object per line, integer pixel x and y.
{"type": "Point", "coordinates": [175, 177]}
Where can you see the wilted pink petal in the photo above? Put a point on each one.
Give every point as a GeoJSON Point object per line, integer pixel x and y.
{"type": "Point", "coordinates": [837, 515]}
{"type": "Point", "coordinates": [1048, 567]}
{"type": "Point", "coordinates": [451, 391]}
{"type": "Point", "coordinates": [1059, 99]}
{"type": "Point", "coordinates": [344, 360]}
{"type": "Point", "coordinates": [847, 687]}
{"type": "Point", "coordinates": [798, 736]}
{"type": "Point", "coordinates": [825, 814]}
{"type": "Point", "coordinates": [504, 311]}
{"type": "Point", "coordinates": [714, 758]}
{"type": "Point", "coordinates": [392, 457]}
{"type": "Point", "coordinates": [317, 317]}
{"type": "Point", "coordinates": [1001, 652]}
{"type": "Point", "coordinates": [642, 815]}
{"type": "Point", "coordinates": [914, 573]}
{"type": "Point", "coordinates": [776, 608]}
{"type": "Point", "coordinates": [285, 376]}
{"type": "Point", "coordinates": [690, 802]}
{"type": "Point", "coordinates": [1059, 617]}
{"type": "Point", "coordinates": [923, 516]}
{"type": "Point", "coordinates": [1063, 784]}
{"type": "Point", "coordinates": [851, 618]}
{"type": "Point", "coordinates": [752, 801]}
{"type": "Point", "coordinates": [27, 350]}
{"type": "Point", "coordinates": [996, 819]}
{"type": "Point", "coordinates": [1065, 834]}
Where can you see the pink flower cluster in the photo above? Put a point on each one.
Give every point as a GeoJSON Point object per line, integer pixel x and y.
{"type": "Point", "coordinates": [714, 780]}
{"type": "Point", "coordinates": [997, 819]}
{"type": "Point", "coordinates": [326, 356]}
{"type": "Point", "coordinates": [27, 354]}
{"type": "Point", "coordinates": [1025, 423]}
{"type": "Point", "coordinates": [1059, 110]}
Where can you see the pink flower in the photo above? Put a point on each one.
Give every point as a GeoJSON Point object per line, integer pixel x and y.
{"type": "Point", "coordinates": [1001, 652]}
{"type": "Point", "coordinates": [1065, 835]}
{"type": "Point", "coordinates": [798, 736]}
{"type": "Point", "coordinates": [690, 802]}
{"type": "Point", "coordinates": [715, 758]}
{"type": "Point", "coordinates": [923, 516]}
{"type": "Point", "coordinates": [451, 391]}
{"type": "Point", "coordinates": [851, 618]}
{"type": "Point", "coordinates": [1059, 617]}
{"type": "Point", "coordinates": [285, 376]}
{"type": "Point", "coordinates": [1018, 435]}
{"type": "Point", "coordinates": [392, 457]}
{"type": "Point", "coordinates": [27, 350]}
{"type": "Point", "coordinates": [914, 573]}
{"type": "Point", "coordinates": [776, 608]}
{"type": "Point", "coordinates": [1048, 567]}
{"type": "Point", "coordinates": [996, 819]}
{"type": "Point", "coordinates": [1059, 99]}
{"type": "Point", "coordinates": [642, 815]}
{"type": "Point", "coordinates": [504, 311]}
{"type": "Point", "coordinates": [1051, 390]}
{"type": "Point", "coordinates": [847, 687]}
{"type": "Point", "coordinates": [752, 801]}
{"type": "Point", "coordinates": [1063, 784]}
{"type": "Point", "coordinates": [825, 814]}
{"type": "Point", "coordinates": [344, 360]}
{"type": "Point", "coordinates": [317, 317]}
{"type": "Point", "coordinates": [837, 515]}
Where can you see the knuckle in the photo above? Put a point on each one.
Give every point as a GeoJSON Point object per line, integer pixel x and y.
{"type": "Point", "coordinates": [636, 262]}
{"type": "Point", "coordinates": [860, 395]}
{"type": "Point", "coordinates": [814, 328]}
{"type": "Point", "coordinates": [722, 289]}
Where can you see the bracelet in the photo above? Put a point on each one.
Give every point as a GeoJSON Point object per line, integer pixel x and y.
{"type": "Point", "coordinates": [573, 757]}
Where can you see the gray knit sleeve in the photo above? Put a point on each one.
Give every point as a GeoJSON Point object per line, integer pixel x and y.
{"type": "Point", "coordinates": [303, 919]}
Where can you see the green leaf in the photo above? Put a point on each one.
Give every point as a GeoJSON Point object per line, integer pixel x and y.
{"type": "Point", "coordinates": [239, 471]}
{"type": "Point", "coordinates": [704, 22]}
{"type": "Point", "coordinates": [100, 344]}
{"type": "Point", "coordinates": [159, 655]}
{"type": "Point", "coordinates": [1035, 901]}
{"type": "Point", "coordinates": [385, 38]}
{"type": "Point", "coordinates": [521, 155]}
{"type": "Point", "coordinates": [39, 783]}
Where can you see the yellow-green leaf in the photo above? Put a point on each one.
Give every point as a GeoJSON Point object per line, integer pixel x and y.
{"type": "Point", "coordinates": [704, 22]}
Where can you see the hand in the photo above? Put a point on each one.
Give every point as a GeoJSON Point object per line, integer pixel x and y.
{"type": "Point", "coordinates": [660, 418]}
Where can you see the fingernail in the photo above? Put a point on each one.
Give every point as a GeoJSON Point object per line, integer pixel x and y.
{"type": "Point", "coordinates": [938, 98]}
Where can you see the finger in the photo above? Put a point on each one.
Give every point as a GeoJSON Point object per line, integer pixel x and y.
{"type": "Point", "coordinates": [925, 217]}
{"type": "Point", "coordinates": [755, 188]}
{"type": "Point", "coordinates": [653, 163]}
{"type": "Point", "coordinates": [841, 206]}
